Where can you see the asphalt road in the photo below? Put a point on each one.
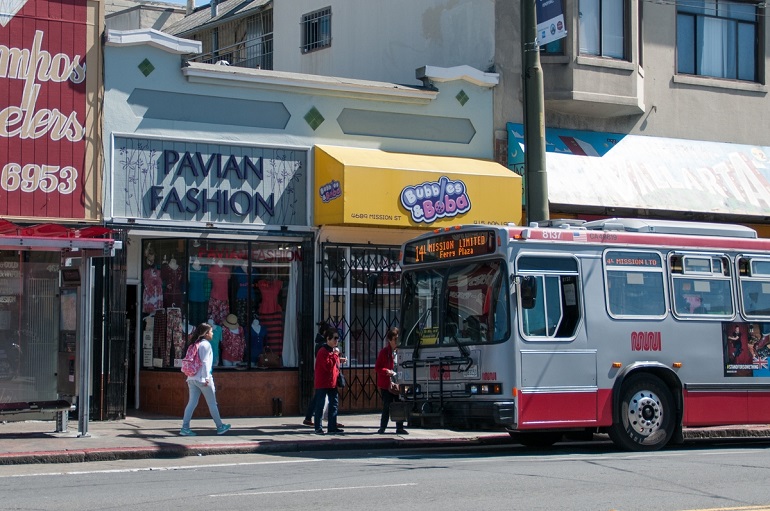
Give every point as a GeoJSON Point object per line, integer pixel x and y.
{"type": "Point", "coordinates": [591, 477]}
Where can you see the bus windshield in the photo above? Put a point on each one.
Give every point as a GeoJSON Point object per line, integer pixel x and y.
{"type": "Point", "coordinates": [457, 304]}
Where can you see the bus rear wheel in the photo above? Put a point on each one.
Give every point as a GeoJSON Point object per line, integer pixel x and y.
{"type": "Point", "coordinates": [646, 418]}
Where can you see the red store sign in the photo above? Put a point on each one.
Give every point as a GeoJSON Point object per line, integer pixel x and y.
{"type": "Point", "coordinates": [43, 106]}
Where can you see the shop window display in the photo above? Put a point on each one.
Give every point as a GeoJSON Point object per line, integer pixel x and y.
{"type": "Point", "coordinates": [246, 291]}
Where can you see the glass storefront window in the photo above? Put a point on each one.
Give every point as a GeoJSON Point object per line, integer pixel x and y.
{"type": "Point", "coordinates": [29, 325]}
{"type": "Point", "coordinates": [245, 290]}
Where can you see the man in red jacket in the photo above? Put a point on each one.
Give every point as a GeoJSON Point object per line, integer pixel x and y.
{"type": "Point", "coordinates": [327, 370]}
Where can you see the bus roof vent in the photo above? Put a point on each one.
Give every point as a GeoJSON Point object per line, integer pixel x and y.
{"type": "Point", "coordinates": [560, 223]}
{"type": "Point", "coordinates": [671, 227]}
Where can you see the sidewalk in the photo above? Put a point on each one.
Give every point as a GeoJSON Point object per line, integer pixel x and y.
{"type": "Point", "coordinates": [144, 436]}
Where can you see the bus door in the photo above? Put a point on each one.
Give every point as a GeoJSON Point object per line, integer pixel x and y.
{"type": "Point", "coordinates": [558, 382]}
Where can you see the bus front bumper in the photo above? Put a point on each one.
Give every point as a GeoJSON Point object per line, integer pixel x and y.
{"type": "Point", "coordinates": [460, 413]}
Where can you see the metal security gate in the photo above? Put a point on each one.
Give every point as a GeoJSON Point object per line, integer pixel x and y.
{"type": "Point", "coordinates": [110, 350]}
{"type": "Point", "coordinates": [359, 294]}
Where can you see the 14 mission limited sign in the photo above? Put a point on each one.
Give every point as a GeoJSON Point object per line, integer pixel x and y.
{"type": "Point", "coordinates": [207, 182]}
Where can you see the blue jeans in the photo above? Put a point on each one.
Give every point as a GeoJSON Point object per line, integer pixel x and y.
{"type": "Point", "coordinates": [197, 388]}
{"type": "Point", "coordinates": [320, 401]}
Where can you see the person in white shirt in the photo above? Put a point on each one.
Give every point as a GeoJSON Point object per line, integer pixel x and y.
{"type": "Point", "coordinates": [202, 382]}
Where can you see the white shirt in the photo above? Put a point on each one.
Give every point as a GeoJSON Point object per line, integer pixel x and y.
{"type": "Point", "coordinates": [207, 359]}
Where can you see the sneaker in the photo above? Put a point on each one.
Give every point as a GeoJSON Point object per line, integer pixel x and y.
{"type": "Point", "coordinates": [224, 428]}
{"type": "Point", "coordinates": [401, 431]}
{"type": "Point", "coordinates": [319, 432]}
{"type": "Point", "coordinates": [381, 431]}
{"type": "Point", "coordinates": [308, 422]}
{"type": "Point", "coordinates": [336, 431]}
{"type": "Point", "coordinates": [187, 432]}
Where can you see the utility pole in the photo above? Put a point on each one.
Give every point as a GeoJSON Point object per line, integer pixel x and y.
{"type": "Point", "coordinates": [536, 179]}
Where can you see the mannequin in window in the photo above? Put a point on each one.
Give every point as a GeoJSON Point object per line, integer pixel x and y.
{"type": "Point", "coordinates": [173, 284]}
{"type": "Point", "coordinates": [258, 335]}
{"type": "Point", "coordinates": [233, 341]}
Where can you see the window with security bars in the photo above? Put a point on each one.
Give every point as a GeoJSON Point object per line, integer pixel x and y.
{"type": "Point", "coordinates": [317, 30]}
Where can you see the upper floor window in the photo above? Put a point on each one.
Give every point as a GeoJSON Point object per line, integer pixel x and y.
{"type": "Point", "coordinates": [553, 48]}
{"type": "Point", "coordinates": [602, 28]}
{"type": "Point", "coordinates": [317, 30]}
{"type": "Point", "coordinates": [717, 38]}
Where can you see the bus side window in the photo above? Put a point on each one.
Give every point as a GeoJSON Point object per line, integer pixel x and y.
{"type": "Point", "coordinates": [549, 296]}
{"type": "Point", "coordinates": [634, 281]}
{"type": "Point", "coordinates": [756, 297]}
{"type": "Point", "coordinates": [570, 306]}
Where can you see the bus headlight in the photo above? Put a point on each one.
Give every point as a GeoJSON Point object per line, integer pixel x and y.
{"type": "Point", "coordinates": [411, 390]}
{"type": "Point", "coordinates": [484, 388]}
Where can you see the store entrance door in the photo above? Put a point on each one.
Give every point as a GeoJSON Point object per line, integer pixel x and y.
{"type": "Point", "coordinates": [360, 291]}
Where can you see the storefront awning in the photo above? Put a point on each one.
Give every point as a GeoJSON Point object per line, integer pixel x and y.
{"type": "Point", "coordinates": [607, 170]}
{"type": "Point", "coordinates": [55, 237]}
{"type": "Point", "coordinates": [377, 188]}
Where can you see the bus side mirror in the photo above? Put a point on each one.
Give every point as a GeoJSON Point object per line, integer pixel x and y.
{"type": "Point", "coordinates": [528, 292]}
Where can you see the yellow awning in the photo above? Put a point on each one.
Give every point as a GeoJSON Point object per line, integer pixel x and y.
{"type": "Point", "coordinates": [373, 187]}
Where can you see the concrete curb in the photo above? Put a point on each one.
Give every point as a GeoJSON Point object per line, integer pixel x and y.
{"type": "Point", "coordinates": [170, 450]}
{"type": "Point", "coordinates": [180, 451]}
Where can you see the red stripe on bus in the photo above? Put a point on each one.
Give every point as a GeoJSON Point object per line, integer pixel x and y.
{"type": "Point", "coordinates": [539, 410]}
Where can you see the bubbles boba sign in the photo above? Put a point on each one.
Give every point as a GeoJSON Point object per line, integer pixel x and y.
{"type": "Point", "coordinates": [431, 200]}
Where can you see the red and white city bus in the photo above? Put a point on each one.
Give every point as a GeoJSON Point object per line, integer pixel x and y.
{"type": "Point", "coordinates": [637, 328]}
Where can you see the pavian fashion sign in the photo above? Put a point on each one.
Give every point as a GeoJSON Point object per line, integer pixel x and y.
{"type": "Point", "coordinates": [167, 179]}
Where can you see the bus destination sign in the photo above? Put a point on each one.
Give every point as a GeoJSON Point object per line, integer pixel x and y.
{"type": "Point", "coordinates": [450, 245]}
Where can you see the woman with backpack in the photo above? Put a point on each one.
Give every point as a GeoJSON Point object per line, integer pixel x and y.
{"type": "Point", "coordinates": [200, 381]}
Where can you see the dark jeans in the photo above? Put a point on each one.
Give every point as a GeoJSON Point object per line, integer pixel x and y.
{"type": "Point", "coordinates": [320, 399]}
{"type": "Point", "coordinates": [388, 398]}
{"type": "Point", "coordinates": [310, 409]}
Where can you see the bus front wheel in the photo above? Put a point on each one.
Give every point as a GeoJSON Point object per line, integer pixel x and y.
{"type": "Point", "coordinates": [646, 418]}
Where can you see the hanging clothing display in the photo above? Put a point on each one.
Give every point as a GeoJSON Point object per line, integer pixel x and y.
{"type": "Point", "coordinates": [271, 314]}
{"type": "Point", "coordinates": [239, 293]}
{"type": "Point", "coordinates": [200, 287]}
{"type": "Point", "coordinates": [161, 348]}
{"type": "Point", "coordinates": [269, 289]}
{"type": "Point", "coordinates": [152, 297]}
{"type": "Point", "coordinates": [173, 284]}
{"type": "Point", "coordinates": [175, 331]}
{"type": "Point", "coordinates": [219, 307]}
